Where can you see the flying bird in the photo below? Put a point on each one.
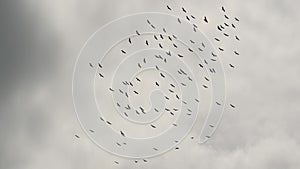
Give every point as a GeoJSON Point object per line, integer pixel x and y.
{"type": "Point", "coordinates": [223, 9]}
{"type": "Point", "coordinates": [122, 133]}
{"type": "Point", "coordinates": [205, 19]}
{"type": "Point", "coordinates": [123, 51]}
{"type": "Point", "coordinates": [169, 8]}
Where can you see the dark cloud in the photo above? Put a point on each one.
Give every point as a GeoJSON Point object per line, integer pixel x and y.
{"type": "Point", "coordinates": [38, 47]}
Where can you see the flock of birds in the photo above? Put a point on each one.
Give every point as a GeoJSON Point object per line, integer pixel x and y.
{"type": "Point", "coordinates": [221, 28]}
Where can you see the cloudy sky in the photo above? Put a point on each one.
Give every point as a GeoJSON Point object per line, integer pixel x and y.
{"type": "Point", "coordinates": [39, 44]}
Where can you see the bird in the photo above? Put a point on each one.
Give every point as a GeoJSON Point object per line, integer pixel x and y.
{"type": "Point", "coordinates": [205, 19]}
{"type": "Point", "coordinates": [211, 125]}
{"type": "Point", "coordinates": [225, 34]}
{"type": "Point", "coordinates": [206, 78]}
{"type": "Point", "coordinates": [237, 38]}
{"type": "Point", "coordinates": [101, 75]}
{"type": "Point", "coordinates": [233, 106]}
{"type": "Point", "coordinates": [162, 75]}
{"type": "Point", "coordinates": [168, 53]}
{"type": "Point", "coordinates": [148, 22]}
{"type": "Point", "coordinates": [169, 8]}
{"type": "Point", "coordinates": [182, 71]}
{"type": "Point", "coordinates": [221, 49]}
{"type": "Point", "coordinates": [223, 9]}
{"type": "Point", "coordinates": [160, 45]}
{"type": "Point", "coordinates": [179, 21]}
{"type": "Point", "coordinates": [217, 39]}
{"type": "Point", "coordinates": [156, 83]}
{"type": "Point", "coordinates": [218, 103]}
{"type": "Point", "coordinates": [153, 126]}
{"type": "Point", "coordinates": [219, 28]}
{"type": "Point", "coordinates": [226, 24]}
{"type": "Point", "coordinates": [235, 52]}
{"type": "Point", "coordinates": [77, 136]}
{"type": "Point", "coordinates": [116, 162]}
{"type": "Point", "coordinates": [231, 65]}
{"type": "Point", "coordinates": [177, 148]}
{"type": "Point", "coordinates": [187, 18]}
{"type": "Point", "coordinates": [147, 43]}
{"type": "Point", "coordinates": [236, 19]}
{"type": "Point", "coordinates": [226, 16]}
{"type": "Point", "coordinates": [123, 51]}
{"type": "Point", "coordinates": [135, 92]}
{"type": "Point", "coordinates": [91, 65]}
{"type": "Point", "coordinates": [122, 133]}
{"type": "Point", "coordinates": [161, 36]}
{"type": "Point", "coordinates": [129, 40]}
{"type": "Point", "coordinates": [137, 32]}
{"type": "Point", "coordinates": [101, 119]}
{"type": "Point", "coordinates": [183, 10]}
{"type": "Point", "coordinates": [194, 29]}
{"type": "Point", "coordinates": [205, 86]}
{"type": "Point", "coordinates": [192, 16]}
{"type": "Point", "coordinates": [207, 136]}
{"type": "Point", "coordinates": [157, 68]}
{"type": "Point", "coordinates": [213, 54]}
{"type": "Point", "coordinates": [92, 131]}
{"type": "Point", "coordinates": [233, 25]}
{"type": "Point", "coordinates": [155, 37]}
{"type": "Point", "coordinates": [99, 65]}
{"type": "Point", "coordinates": [180, 55]}
{"type": "Point", "coordinates": [108, 122]}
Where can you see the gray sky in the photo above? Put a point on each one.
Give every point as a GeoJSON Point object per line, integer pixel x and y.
{"type": "Point", "coordinates": [40, 41]}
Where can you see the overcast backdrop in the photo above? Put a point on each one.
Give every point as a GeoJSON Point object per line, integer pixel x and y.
{"type": "Point", "coordinates": [39, 44]}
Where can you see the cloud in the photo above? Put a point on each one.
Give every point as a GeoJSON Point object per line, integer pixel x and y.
{"type": "Point", "coordinates": [40, 42]}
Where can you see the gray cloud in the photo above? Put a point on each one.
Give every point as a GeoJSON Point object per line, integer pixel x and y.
{"type": "Point", "coordinates": [40, 42]}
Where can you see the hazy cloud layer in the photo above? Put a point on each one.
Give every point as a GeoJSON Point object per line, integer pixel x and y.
{"type": "Point", "coordinates": [40, 41]}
